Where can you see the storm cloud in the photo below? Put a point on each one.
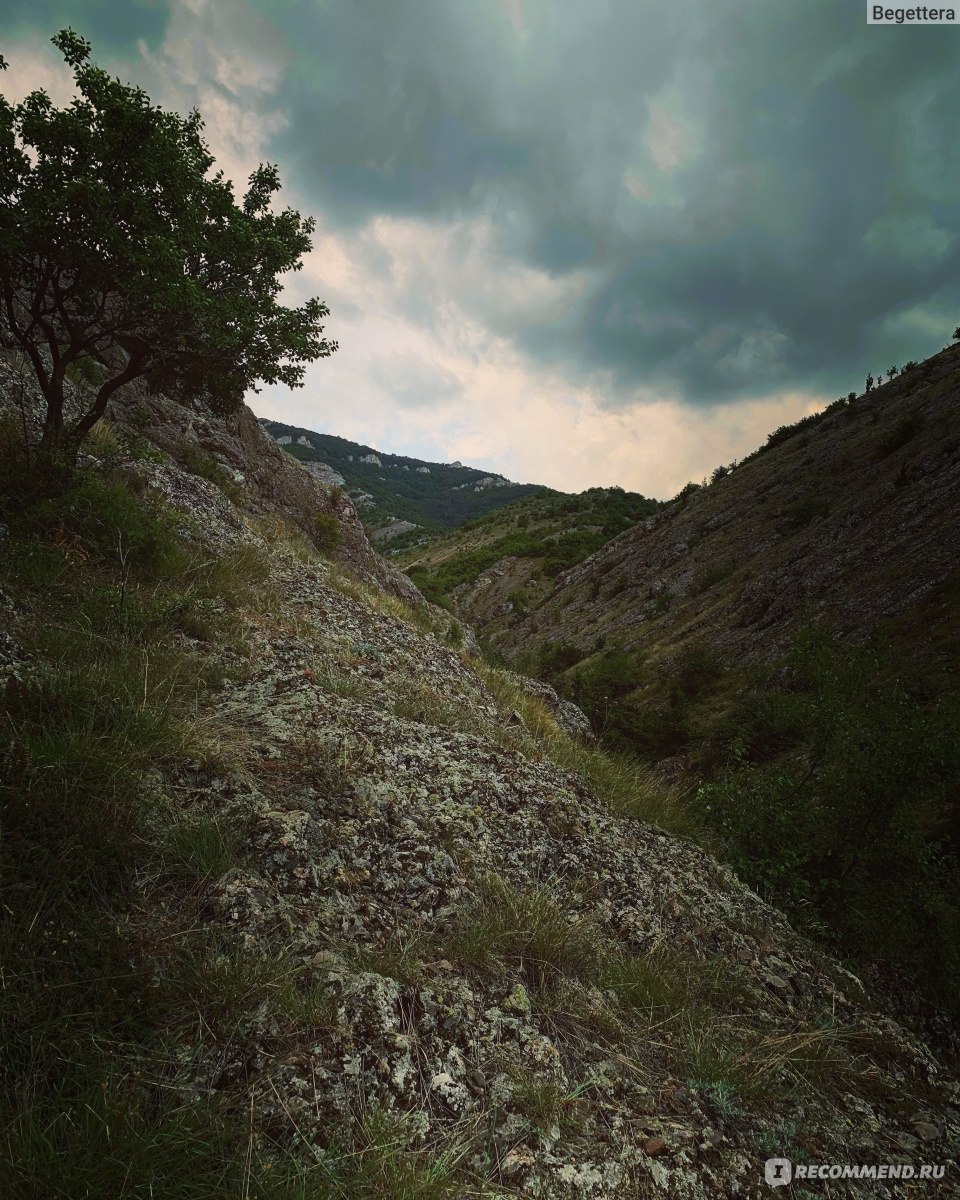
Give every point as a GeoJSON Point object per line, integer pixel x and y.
{"type": "Point", "coordinates": [643, 208]}
{"type": "Point", "coordinates": [763, 193]}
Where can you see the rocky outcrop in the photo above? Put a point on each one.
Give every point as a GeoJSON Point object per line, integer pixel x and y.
{"type": "Point", "coordinates": [388, 532]}
{"type": "Point", "coordinates": [391, 805]}
{"type": "Point", "coordinates": [325, 474]}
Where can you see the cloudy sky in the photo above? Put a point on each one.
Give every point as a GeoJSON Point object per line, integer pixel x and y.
{"type": "Point", "coordinates": [579, 242]}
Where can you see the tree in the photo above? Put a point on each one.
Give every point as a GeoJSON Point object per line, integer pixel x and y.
{"type": "Point", "coordinates": [869, 383]}
{"type": "Point", "coordinates": [891, 371]}
{"type": "Point", "coordinates": [118, 249]}
{"type": "Point", "coordinates": [956, 332]}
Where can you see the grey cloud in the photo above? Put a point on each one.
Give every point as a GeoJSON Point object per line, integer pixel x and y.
{"type": "Point", "coordinates": [109, 26]}
{"type": "Point", "coordinates": [813, 131]}
{"type": "Point", "coordinates": [413, 382]}
{"type": "Point", "coordinates": [815, 213]}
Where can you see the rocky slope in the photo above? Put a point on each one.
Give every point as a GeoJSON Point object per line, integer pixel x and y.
{"type": "Point", "coordinates": [480, 938]}
{"type": "Point", "coordinates": [853, 520]}
{"type": "Point", "coordinates": [496, 567]}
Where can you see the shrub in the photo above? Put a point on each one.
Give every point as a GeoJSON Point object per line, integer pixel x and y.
{"type": "Point", "coordinates": [327, 534]}
{"type": "Point", "coordinates": [905, 430]}
{"type": "Point", "coordinates": [686, 492]}
{"type": "Point", "coordinates": [850, 829]}
{"type": "Point", "coordinates": [709, 577]}
{"type": "Point", "coordinates": [801, 512]}
{"type": "Point", "coordinates": [100, 516]}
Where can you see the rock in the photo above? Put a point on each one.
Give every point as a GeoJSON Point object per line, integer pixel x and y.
{"type": "Point", "coordinates": [926, 1130]}
{"type": "Point", "coordinates": [518, 1001]}
{"type": "Point", "coordinates": [654, 1146]}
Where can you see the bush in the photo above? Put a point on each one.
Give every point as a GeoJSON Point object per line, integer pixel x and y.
{"type": "Point", "coordinates": [327, 534]}
{"type": "Point", "coordinates": [686, 492]}
{"type": "Point", "coordinates": [709, 577]}
{"type": "Point", "coordinates": [801, 512]}
{"type": "Point", "coordinates": [905, 430]}
{"type": "Point", "coordinates": [837, 802]}
{"type": "Point", "coordinates": [96, 513]}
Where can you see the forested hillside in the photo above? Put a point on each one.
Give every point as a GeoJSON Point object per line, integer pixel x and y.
{"type": "Point", "coordinates": [395, 490]}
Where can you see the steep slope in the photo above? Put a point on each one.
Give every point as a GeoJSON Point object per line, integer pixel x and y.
{"type": "Point", "coordinates": [393, 493]}
{"type": "Point", "coordinates": [370, 918]}
{"type": "Point", "coordinates": [854, 519]}
{"type": "Point", "coordinates": [782, 643]}
{"type": "Point", "coordinates": [528, 543]}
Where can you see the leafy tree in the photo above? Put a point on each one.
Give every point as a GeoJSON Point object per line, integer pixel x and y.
{"type": "Point", "coordinates": [891, 371]}
{"type": "Point", "coordinates": [956, 333]}
{"type": "Point", "coordinates": [869, 383]}
{"type": "Point", "coordinates": [121, 258]}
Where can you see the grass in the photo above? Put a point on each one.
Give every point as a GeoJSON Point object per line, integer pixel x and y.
{"type": "Point", "coordinates": [743, 1067]}
{"type": "Point", "coordinates": [199, 846]}
{"type": "Point", "coordinates": [525, 929]}
{"type": "Point", "coordinates": [92, 1098]}
{"type": "Point", "coordinates": [548, 1105]}
{"type": "Point", "coordinates": [641, 984]}
{"type": "Point", "coordinates": [417, 616]}
{"type": "Point", "coordinates": [627, 787]}
{"type": "Point", "coordinates": [339, 681]}
{"type": "Point", "coordinates": [418, 701]}
{"type": "Point", "coordinates": [198, 462]}
{"type": "Point", "coordinates": [96, 1012]}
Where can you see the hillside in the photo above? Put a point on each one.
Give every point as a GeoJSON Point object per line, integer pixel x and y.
{"type": "Point", "coordinates": [847, 519]}
{"type": "Point", "coordinates": [783, 643]}
{"type": "Point", "coordinates": [303, 898]}
{"type": "Point", "coordinates": [394, 494]}
{"type": "Point", "coordinates": [499, 566]}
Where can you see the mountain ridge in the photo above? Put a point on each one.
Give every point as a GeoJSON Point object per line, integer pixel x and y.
{"type": "Point", "coordinates": [392, 490]}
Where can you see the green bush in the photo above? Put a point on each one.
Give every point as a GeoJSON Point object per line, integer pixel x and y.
{"type": "Point", "coordinates": [801, 512]}
{"type": "Point", "coordinates": [327, 534]}
{"type": "Point", "coordinates": [709, 577]}
{"type": "Point", "coordinates": [839, 801]}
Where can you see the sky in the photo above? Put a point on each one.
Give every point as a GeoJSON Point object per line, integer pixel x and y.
{"type": "Point", "coordinates": [577, 242]}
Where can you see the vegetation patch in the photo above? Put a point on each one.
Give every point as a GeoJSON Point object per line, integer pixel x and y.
{"type": "Point", "coordinates": [836, 801]}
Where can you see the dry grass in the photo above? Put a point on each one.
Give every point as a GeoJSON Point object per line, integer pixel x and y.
{"type": "Point", "coordinates": [626, 786]}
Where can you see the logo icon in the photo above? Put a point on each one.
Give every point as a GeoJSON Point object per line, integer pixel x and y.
{"type": "Point", "coordinates": [778, 1171]}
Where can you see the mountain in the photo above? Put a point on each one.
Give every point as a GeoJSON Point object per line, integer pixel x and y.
{"type": "Point", "coordinates": [848, 518]}
{"type": "Point", "coordinates": [497, 566]}
{"type": "Point", "coordinates": [301, 896]}
{"type": "Point", "coordinates": [396, 495]}
{"type": "Point", "coordinates": [783, 644]}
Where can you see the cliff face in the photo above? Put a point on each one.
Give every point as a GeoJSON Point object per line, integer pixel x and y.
{"type": "Point", "coordinates": [851, 521]}
{"type": "Point", "coordinates": [442, 910]}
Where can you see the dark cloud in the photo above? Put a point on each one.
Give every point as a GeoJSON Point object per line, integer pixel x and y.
{"type": "Point", "coordinates": [763, 194]}
{"type": "Point", "coordinates": [109, 26]}
{"type": "Point", "coordinates": [766, 255]}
